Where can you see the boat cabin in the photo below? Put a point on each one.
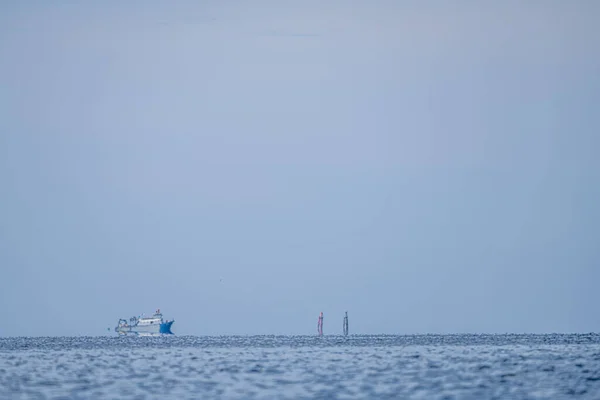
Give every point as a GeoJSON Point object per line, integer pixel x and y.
{"type": "Point", "coordinates": [156, 319]}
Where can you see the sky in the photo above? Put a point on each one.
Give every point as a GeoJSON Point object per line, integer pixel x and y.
{"type": "Point", "coordinates": [427, 166]}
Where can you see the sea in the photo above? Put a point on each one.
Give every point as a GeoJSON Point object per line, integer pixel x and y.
{"type": "Point", "coordinates": [555, 366]}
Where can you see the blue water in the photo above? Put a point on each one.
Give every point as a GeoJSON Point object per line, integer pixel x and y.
{"type": "Point", "coordinates": [302, 367]}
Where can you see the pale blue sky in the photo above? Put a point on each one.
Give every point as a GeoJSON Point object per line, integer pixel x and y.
{"type": "Point", "coordinates": [430, 167]}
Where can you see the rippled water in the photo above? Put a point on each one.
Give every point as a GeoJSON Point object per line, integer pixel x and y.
{"type": "Point", "coordinates": [296, 367]}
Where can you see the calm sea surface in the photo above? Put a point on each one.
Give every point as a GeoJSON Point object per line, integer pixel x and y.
{"type": "Point", "coordinates": [302, 367]}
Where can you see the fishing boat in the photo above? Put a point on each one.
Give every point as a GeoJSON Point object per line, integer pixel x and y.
{"type": "Point", "coordinates": [145, 326]}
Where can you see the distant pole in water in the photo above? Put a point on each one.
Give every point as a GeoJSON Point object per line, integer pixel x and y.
{"type": "Point", "coordinates": [320, 324]}
{"type": "Point", "coordinates": [346, 324]}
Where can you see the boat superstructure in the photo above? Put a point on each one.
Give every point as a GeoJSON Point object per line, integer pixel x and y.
{"type": "Point", "coordinates": [145, 326]}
